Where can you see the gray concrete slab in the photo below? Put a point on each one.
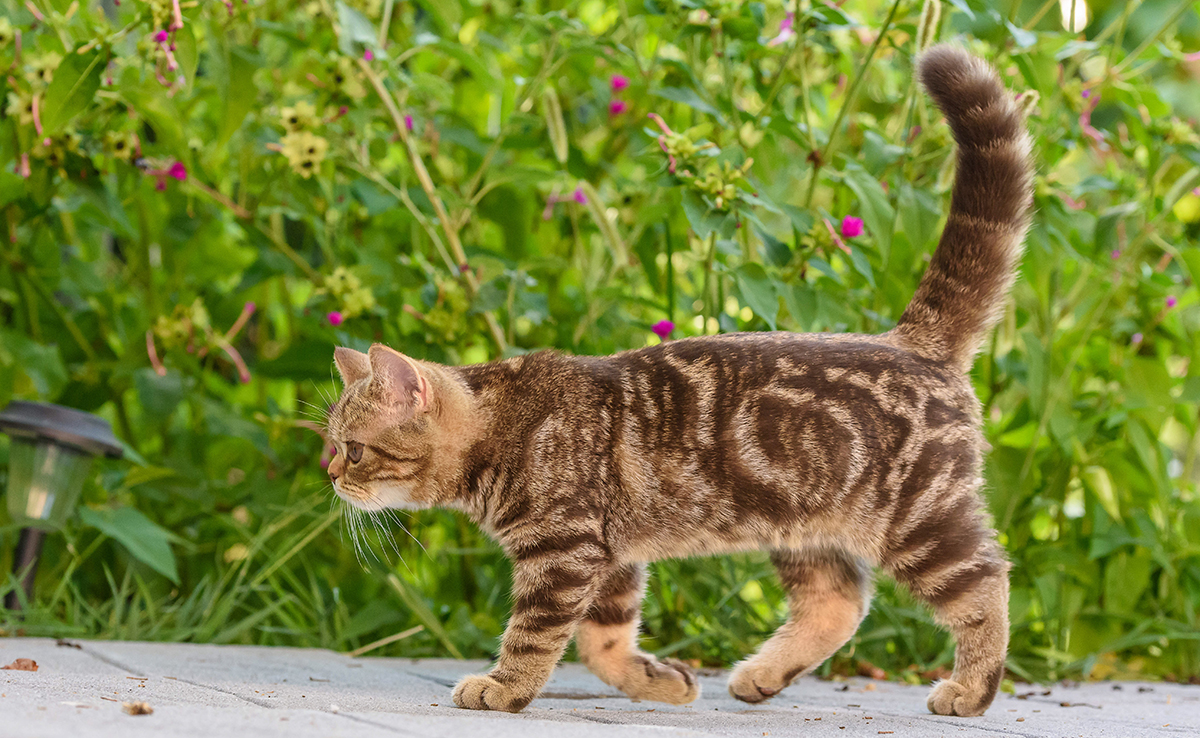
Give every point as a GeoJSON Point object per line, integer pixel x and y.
{"type": "Point", "coordinates": [203, 690]}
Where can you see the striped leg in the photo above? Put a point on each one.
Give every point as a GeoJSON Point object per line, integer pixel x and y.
{"type": "Point", "coordinates": [607, 644]}
{"type": "Point", "coordinates": [554, 581]}
{"type": "Point", "coordinates": [961, 572]}
{"type": "Point", "coordinates": [828, 592]}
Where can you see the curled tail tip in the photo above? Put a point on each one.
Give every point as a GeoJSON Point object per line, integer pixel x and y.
{"type": "Point", "coordinates": [960, 82]}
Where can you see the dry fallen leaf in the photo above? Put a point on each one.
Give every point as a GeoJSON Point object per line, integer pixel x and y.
{"type": "Point", "coordinates": [21, 665]}
{"type": "Point", "coordinates": [137, 708]}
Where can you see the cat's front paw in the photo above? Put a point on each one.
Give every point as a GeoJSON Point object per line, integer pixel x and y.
{"type": "Point", "coordinates": [951, 698]}
{"type": "Point", "coordinates": [482, 692]}
{"type": "Point", "coordinates": [753, 682]}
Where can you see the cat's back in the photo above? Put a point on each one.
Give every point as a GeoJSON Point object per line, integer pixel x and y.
{"type": "Point", "coordinates": [829, 364]}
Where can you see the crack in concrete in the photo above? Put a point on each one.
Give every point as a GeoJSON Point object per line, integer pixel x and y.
{"type": "Point", "coordinates": [111, 661]}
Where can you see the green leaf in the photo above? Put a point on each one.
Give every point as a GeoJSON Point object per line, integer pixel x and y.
{"type": "Point", "coordinates": [919, 215]}
{"type": "Point", "coordinates": [186, 54]}
{"type": "Point", "coordinates": [241, 94]}
{"type": "Point", "coordinates": [877, 212]}
{"type": "Point", "coordinates": [144, 539]}
{"type": "Point", "coordinates": [801, 302]}
{"type": "Point", "coordinates": [72, 89]}
{"type": "Point", "coordinates": [688, 97]}
{"type": "Point", "coordinates": [704, 221]}
{"type": "Point", "coordinates": [355, 28]}
{"type": "Point", "coordinates": [758, 292]}
{"type": "Point", "coordinates": [41, 364]}
{"type": "Point", "coordinates": [862, 265]}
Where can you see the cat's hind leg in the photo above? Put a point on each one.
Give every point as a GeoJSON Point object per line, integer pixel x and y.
{"type": "Point", "coordinates": [828, 594]}
{"type": "Point", "coordinates": [950, 559]}
{"type": "Point", "coordinates": [607, 643]}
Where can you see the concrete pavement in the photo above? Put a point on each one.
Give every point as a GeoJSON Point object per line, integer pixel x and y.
{"type": "Point", "coordinates": [202, 690]}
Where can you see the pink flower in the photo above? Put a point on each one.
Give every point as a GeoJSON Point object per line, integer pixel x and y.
{"type": "Point", "coordinates": [786, 31]}
{"type": "Point", "coordinates": [851, 226]}
{"type": "Point", "coordinates": [408, 122]}
{"type": "Point", "coordinates": [177, 171]}
{"type": "Point", "coordinates": [1116, 254]}
{"type": "Point", "coordinates": [1172, 302]}
{"type": "Point", "coordinates": [160, 37]}
{"type": "Point", "coordinates": [1135, 339]}
{"type": "Point", "coordinates": [369, 55]}
{"type": "Point", "coordinates": [579, 196]}
{"type": "Point", "coordinates": [335, 318]}
{"type": "Point", "coordinates": [616, 107]}
{"type": "Point", "coordinates": [619, 82]}
{"type": "Point", "coordinates": [160, 184]}
{"type": "Point", "coordinates": [1194, 56]}
{"type": "Point", "coordinates": [663, 329]}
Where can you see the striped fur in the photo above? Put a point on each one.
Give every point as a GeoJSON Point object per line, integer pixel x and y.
{"type": "Point", "coordinates": [963, 291]}
{"type": "Point", "coordinates": [834, 452]}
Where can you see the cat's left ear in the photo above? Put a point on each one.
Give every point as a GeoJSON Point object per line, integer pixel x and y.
{"type": "Point", "coordinates": [352, 365]}
{"type": "Point", "coordinates": [399, 376]}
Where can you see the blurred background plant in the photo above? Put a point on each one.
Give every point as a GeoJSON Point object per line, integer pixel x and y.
{"type": "Point", "coordinates": [201, 199]}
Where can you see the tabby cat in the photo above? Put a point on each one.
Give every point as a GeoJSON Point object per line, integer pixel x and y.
{"type": "Point", "coordinates": [836, 453]}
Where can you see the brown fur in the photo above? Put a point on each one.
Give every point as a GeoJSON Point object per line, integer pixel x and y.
{"type": "Point", "coordinates": [834, 452]}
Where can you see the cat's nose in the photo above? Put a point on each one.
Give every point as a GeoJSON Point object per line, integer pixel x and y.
{"type": "Point", "coordinates": [333, 476]}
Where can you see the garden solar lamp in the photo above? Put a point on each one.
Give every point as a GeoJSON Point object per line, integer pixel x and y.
{"type": "Point", "coordinates": [49, 459]}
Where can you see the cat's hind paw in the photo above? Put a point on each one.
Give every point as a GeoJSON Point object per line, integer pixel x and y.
{"type": "Point", "coordinates": [754, 682]}
{"type": "Point", "coordinates": [483, 692]}
{"type": "Point", "coordinates": [668, 680]}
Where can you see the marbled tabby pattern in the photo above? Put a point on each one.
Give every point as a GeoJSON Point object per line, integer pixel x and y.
{"type": "Point", "coordinates": [837, 453]}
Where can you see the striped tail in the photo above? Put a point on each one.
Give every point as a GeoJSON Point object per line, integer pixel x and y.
{"type": "Point", "coordinates": [962, 294]}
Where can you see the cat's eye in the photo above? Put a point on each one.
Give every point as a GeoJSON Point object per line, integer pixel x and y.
{"type": "Point", "coordinates": [354, 451]}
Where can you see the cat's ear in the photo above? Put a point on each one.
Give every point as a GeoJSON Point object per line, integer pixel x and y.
{"type": "Point", "coordinates": [399, 376]}
{"type": "Point", "coordinates": [352, 365]}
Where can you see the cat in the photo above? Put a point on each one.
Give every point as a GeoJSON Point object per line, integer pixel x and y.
{"type": "Point", "coordinates": [836, 453]}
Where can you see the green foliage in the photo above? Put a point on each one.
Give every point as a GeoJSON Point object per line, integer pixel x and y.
{"type": "Point", "coordinates": [192, 224]}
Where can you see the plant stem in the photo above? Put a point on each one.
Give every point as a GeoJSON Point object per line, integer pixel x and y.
{"type": "Point", "coordinates": [418, 165]}
{"type": "Point", "coordinates": [1175, 15]}
{"type": "Point", "coordinates": [851, 94]}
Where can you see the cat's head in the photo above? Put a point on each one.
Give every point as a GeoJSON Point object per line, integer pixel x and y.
{"type": "Point", "coordinates": [384, 430]}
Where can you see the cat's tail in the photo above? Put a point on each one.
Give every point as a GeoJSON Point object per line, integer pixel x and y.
{"type": "Point", "coordinates": [962, 294]}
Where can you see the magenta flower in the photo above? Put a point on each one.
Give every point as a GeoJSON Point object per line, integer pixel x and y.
{"type": "Point", "coordinates": [786, 31]}
{"type": "Point", "coordinates": [177, 171]}
{"type": "Point", "coordinates": [160, 184]}
{"type": "Point", "coordinates": [1116, 254]}
{"type": "Point", "coordinates": [663, 329]}
{"type": "Point", "coordinates": [1135, 339]}
{"type": "Point", "coordinates": [160, 37]}
{"type": "Point", "coordinates": [616, 107]}
{"type": "Point", "coordinates": [579, 196]}
{"type": "Point", "coordinates": [369, 55]}
{"type": "Point", "coordinates": [851, 226]}
{"type": "Point", "coordinates": [1172, 302]}
{"type": "Point", "coordinates": [335, 318]}
{"type": "Point", "coordinates": [619, 82]}
{"type": "Point", "coordinates": [408, 122]}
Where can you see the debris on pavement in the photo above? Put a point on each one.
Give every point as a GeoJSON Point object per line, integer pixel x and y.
{"type": "Point", "coordinates": [136, 708]}
{"type": "Point", "coordinates": [22, 665]}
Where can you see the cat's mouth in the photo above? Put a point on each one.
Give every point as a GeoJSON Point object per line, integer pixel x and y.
{"type": "Point", "coordinates": [363, 501]}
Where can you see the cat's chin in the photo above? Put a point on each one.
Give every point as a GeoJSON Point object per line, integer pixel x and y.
{"type": "Point", "coordinates": [387, 497]}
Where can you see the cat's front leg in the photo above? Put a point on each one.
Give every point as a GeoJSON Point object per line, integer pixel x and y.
{"type": "Point", "coordinates": [554, 581]}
